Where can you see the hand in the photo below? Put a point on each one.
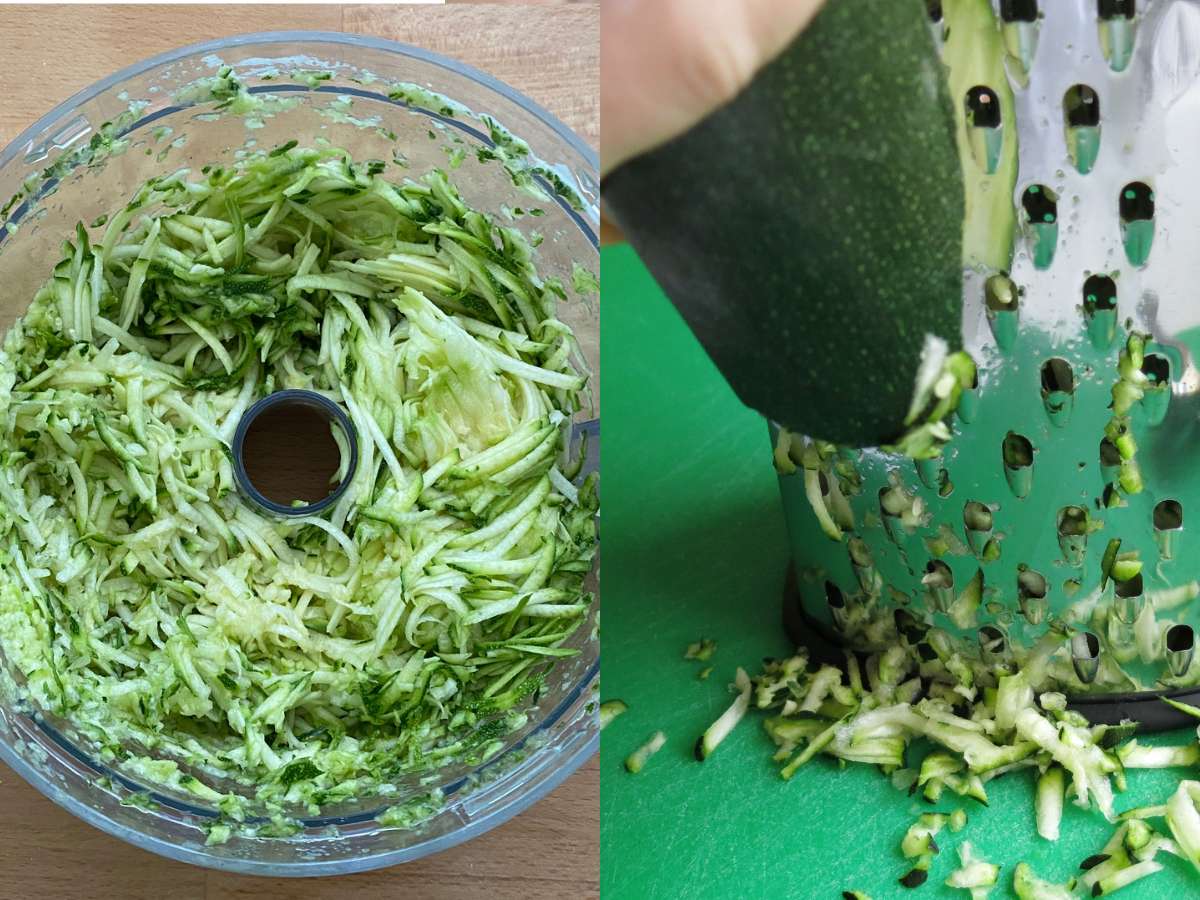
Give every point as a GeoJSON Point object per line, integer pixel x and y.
{"type": "Point", "coordinates": [665, 64]}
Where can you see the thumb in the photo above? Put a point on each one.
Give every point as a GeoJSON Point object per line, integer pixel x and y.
{"type": "Point", "coordinates": [665, 64]}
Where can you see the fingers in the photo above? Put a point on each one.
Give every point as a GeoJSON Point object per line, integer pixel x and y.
{"type": "Point", "coordinates": [609, 233]}
{"type": "Point", "coordinates": [666, 63]}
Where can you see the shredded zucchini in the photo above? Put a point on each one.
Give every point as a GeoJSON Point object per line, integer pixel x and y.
{"type": "Point", "coordinates": [1184, 820]}
{"type": "Point", "coordinates": [312, 659]}
{"type": "Point", "coordinates": [983, 719]}
{"type": "Point", "coordinates": [720, 729]}
{"type": "Point", "coordinates": [1049, 804]}
{"type": "Point", "coordinates": [958, 820]}
{"type": "Point", "coordinates": [974, 874]}
{"type": "Point", "coordinates": [636, 760]}
{"type": "Point", "coordinates": [702, 650]}
{"type": "Point", "coordinates": [1028, 886]}
{"type": "Point", "coordinates": [609, 710]}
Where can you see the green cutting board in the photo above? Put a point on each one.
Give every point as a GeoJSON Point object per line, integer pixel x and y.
{"type": "Point", "coordinates": [694, 546]}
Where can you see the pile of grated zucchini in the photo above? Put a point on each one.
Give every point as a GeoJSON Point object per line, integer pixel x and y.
{"type": "Point", "coordinates": [985, 714]}
{"type": "Point", "coordinates": [198, 641]}
{"type": "Point", "coordinates": [917, 685]}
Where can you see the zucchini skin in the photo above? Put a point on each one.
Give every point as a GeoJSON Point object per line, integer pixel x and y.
{"type": "Point", "coordinates": [974, 55]}
{"type": "Point", "coordinates": [817, 217]}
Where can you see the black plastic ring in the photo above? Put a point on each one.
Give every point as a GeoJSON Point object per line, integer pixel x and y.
{"type": "Point", "coordinates": [293, 397]}
{"type": "Point", "coordinates": [1144, 707]}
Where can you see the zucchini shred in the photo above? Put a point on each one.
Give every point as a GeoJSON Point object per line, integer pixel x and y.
{"type": "Point", "coordinates": [293, 663]}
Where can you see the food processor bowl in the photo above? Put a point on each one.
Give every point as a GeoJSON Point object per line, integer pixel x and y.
{"type": "Point", "coordinates": [86, 158]}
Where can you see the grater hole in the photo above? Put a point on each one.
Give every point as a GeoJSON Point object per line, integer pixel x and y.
{"type": "Point", "coordinates": [983, 107]}
{"type": "Point", "coordinates": [1131, 587]}
{"type": "Point", "coordinates": [1085, 655]}
{"type": "Point", "coordinates": [860, 553]}
{"type": "Point", "coordinates": [1115, 9]}
{"type": "Point", "coordinates": [1180, 638]}
{"type": "Point", "coordinates": [1085, 645]}
{"type": "Point", "coordinates": [1137, 202]}
{"type": "Point", "coordinates": [1018, 10]}
{"type": "Point", "coordinates": [1031, 591]}
{"type": "Point", "coordinates": [938, 575]}
{"type": "Point", "coordinates": [1040, 204]}
{"type": "Point", "coordinates": [977, 516]}
{"type": "Point", "coordinates": [1168, 515]}
{"type": "Point", "coordinates": [834, 596]}
{"type": "Point", "coordinates": [1000, 294]}
{"type": "Point", "coordinates": [1081, 105]}
{"type": "Point", "coordinates": [1157, 368]}
{"type": "Point", "coordinates": [1018, 451]}
{"type": "Point", "coordinates": [1072, 521]}
{"type": "Point", "coordinates": [1109, 454]}
{"type": "Point", "coordinates": [1110, 498]}
{"type": "Point", "coordinates": [1181, 649]}
{"type": "Point", "coordinates": [1057, 376]}
{"type": "Point", "coordinates": [908, 625]}
{"type": "Point", "coordinates": [992, 639]}
{"type": "Point", "coordinates": [837, 604]}
{"type": "Point", "coordinates": [1099, 294]}
{"type": "Point", "coordinates": [1031, 584]}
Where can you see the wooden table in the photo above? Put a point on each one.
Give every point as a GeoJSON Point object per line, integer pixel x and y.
{"type": "Point", "coordinates": [550, 51]}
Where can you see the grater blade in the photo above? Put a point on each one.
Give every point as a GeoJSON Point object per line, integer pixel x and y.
{"type": "Point", "coordinates": [1009, 532]}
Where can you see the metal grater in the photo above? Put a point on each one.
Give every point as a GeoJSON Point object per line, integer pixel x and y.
{"type": "Point", "coordinates": [1014, 513]}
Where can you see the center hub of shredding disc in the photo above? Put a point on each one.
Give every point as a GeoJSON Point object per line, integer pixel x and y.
{"type": "Point", "coordinates": [294, 453]}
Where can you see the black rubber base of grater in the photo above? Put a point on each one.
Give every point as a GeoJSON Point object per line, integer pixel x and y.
{"type": "Point", "coordinates": [1145, 708]}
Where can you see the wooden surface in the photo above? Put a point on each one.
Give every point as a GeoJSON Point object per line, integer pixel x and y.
{"type": "Point", "coordinates": [550, 51]}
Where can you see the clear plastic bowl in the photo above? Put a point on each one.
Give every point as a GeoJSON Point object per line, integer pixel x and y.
{"type": "Point", "coordinates": [563, 730]}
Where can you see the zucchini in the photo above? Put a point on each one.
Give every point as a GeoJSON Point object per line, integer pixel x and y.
{"type": "Point", "coordinates": [702, 650]}
{"type": "Point", "coordinates": [1049, 804]}
{"type": "Point", "coordinates": [719, 730]}
{"type": "Point", "coordinates": [919, 839]}
{"type": "Point", "coordinates": [1028, 886]}
{"type": "Point", "coordinates": [984, 721]}
{"type": "Point", "coordinates": [1184, 820]}
{"type": "Point", "coordinates": [974, 874]}
{"type": "Point", "coordinates": [636, 761]}
{"type": "Point", "coordinates": [609, 710]}
{"type": "Point", "coordinates": [780, 219]}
